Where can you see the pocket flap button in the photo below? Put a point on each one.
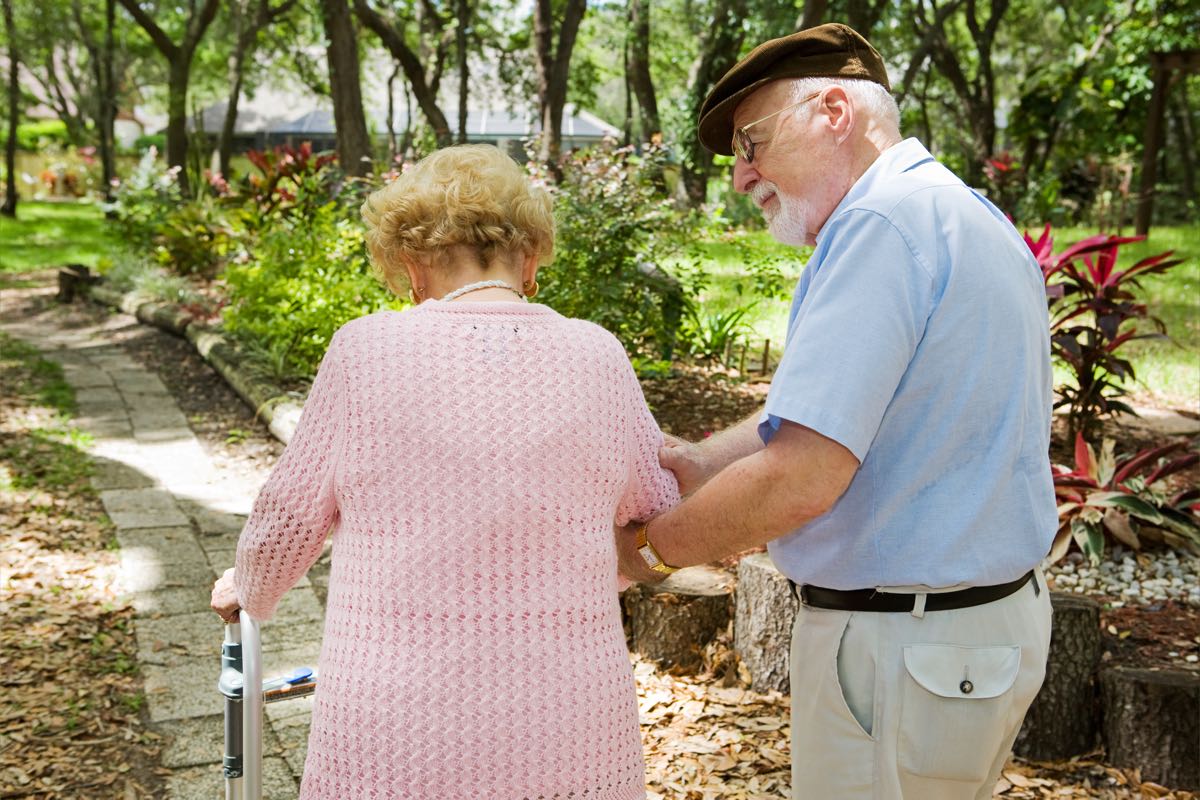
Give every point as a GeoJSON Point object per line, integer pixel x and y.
{"type": "Point", "coordinates": [966, 687]}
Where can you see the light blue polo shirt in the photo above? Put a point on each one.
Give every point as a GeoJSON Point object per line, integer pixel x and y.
{"type": "Point", "coordinates": [919, 339]}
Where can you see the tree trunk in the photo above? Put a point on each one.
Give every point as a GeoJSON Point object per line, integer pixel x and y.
{"type": "Point", "coordinates": [814, 12]}
{"type": "Point", "coordinates": [673, 621]}
{"type": "Point", "coordinates": [423, 89]}
{"type": "Point", "coordinates": [1182, 118]}
{"type": "Point", "coordinates": [101, 57]}
{"type": "Point", "coordinates": [247, 25]}
{"type": "Point", "coordinates": [718, 52]}
{"type": "Point", "coordinates": [391, 117]}
{"type": "Point", "coordinates": [177, 136]}
{"type": "Point", "coordinates": [553, 60]}
{"type": "Point", "coordinates": [627, 128]}
{"type": "Point", "coordinates": [108, 104]}
{"type": "Point", "coordinates": [1152, 723]}
{"type": "Point", "coordinates": [237, 61]}
{"type": "Point", "coordinates": [977, 94]}
{"type": "Point", "coordinates": [762, 624]}
{"type": "Point", "coordinates": [639, 69]}
{"type": "Point", "coordinates": [1151, 142]}
{"type": "Point", "coordinates": [353, 142]}
{"type": "Point", "coordinates": [864, 15]}
{"type": "Point", "coordinates": [406, 140]}
{"type": "Point", "coordinates": [179, 60]}
{"type": "Point", "coordinates": [1064, 718]}
{"type": "Point", "coordinates": [9, 209]}
{"type": "Point", "coordinates": [460, 38]}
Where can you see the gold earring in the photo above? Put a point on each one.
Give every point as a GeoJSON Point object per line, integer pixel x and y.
{"type": "Point", "coordinates": [531, 293]}
{"type": "Point", "coordinates": [414, 297]}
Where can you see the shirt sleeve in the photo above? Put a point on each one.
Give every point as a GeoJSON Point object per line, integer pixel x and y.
{"type": "Point", "coordinates": [293, 513]}
{"type": "Point", "coordinates": [853, 333]}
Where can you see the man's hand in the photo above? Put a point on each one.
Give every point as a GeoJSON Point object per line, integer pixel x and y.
{"type": "Point", "coordinates": [224, 597]}
{"type": "Point", "coordinates": [629, 561]}
{"type": "Point", "coordinates": [688, 461]}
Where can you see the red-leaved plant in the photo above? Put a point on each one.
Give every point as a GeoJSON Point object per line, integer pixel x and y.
{"type": "Point", "coordinates": [1093, 312]}
{"type": "Point", "coordinates": [1126, 498]}
{"type": "Point", "coordinates": [285, 172]}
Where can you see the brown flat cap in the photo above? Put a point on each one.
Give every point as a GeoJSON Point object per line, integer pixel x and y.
{"type": "Point", "coordinates": [826, 51]}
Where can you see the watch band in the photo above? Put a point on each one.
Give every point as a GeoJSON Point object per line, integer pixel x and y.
{"type": "Point", "coordinates": [649, 554]}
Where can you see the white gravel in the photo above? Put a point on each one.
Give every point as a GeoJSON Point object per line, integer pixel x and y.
{"type": "Point", "coordinates": [1131, 578]}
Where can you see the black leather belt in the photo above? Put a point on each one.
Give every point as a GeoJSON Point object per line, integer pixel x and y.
{"type": "Point", "coordinates": [872, 600]}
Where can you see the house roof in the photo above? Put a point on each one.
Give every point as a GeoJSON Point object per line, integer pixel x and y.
{"type": "Point", "coordinates": [481, 123]}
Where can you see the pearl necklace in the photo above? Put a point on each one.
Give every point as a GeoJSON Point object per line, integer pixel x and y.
{"type": "Point", "coordinates": [475, 287]}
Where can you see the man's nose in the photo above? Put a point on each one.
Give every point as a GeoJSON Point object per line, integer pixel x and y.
{"type": "Point", "coordinates": [744, 176]}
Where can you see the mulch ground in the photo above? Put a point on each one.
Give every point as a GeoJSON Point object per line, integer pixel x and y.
{"type": "Point", "coordinates": [1154, 636]}
{"type": "Point", "coordinates": [71, 703]}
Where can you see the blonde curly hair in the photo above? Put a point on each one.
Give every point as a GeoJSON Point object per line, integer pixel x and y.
{"type": "Point", "coordinates": [471, 196]}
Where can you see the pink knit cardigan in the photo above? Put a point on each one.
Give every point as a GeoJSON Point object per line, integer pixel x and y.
{"type": "Point", "coordinates": [472, 459]}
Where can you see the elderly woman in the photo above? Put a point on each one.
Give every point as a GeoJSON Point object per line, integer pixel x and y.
{"type": "Point", "coordinates": [472, 455]}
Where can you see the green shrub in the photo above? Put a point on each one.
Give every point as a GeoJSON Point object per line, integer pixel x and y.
{"type": "Point", "coordinates": [303, 279]}
{"type": "Point", "coordinates": [34, 136]}
{"type": "Point", "coordinates": [194, 239]}
{"type": "Point", "coordinates": [150, 141]}
{"type": "Point", "coordinates": [145, 199]}
{"type": "Point", "coordinates": [616, 230]}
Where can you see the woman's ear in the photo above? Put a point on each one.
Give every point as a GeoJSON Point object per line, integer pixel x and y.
{"type": "Point", "coordinates": [416, 275]}
{"type": "Point", "coordinates": [529, 269]}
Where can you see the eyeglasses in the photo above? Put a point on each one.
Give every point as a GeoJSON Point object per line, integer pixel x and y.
{"type": "Point", "coordinates": [743, 146]}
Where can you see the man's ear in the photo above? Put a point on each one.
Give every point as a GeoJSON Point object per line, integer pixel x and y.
{"type": "Point", "coordinates": [838, 112]}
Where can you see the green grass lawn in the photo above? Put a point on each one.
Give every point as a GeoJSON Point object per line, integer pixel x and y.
{"type": "Point", "coordinates": [1168, 369]}
{"type": "Point", "coordinates": [50, 234]}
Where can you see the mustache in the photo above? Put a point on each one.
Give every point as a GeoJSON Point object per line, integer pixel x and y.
{"type": "Point", "coordinates": [761, 191]}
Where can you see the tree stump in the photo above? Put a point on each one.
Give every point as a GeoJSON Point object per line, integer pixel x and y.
{"type": "Point", "coordinates": [762, 624]}
{"type": "Point", "coordinates": [672, 621]}
{"type": "Point", "coordinates": [1152, 722]}
{"type": "Point", "coordinates": [1064, 719]}
{"type": "Point", "coordinates": [72, 280]}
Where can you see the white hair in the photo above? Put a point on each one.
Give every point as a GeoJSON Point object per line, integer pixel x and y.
{"type": "Point", "coordinates": [866, 96]}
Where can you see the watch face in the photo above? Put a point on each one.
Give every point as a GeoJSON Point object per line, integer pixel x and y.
{"type": "Point", "coordinates": [652, 559]}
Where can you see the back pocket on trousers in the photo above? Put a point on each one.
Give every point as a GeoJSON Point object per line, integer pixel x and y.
{"type": "Point", "coordinates": [956, 709]}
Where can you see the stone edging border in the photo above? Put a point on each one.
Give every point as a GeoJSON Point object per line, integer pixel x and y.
{"type": "Point", "coordinates": [279, 410]}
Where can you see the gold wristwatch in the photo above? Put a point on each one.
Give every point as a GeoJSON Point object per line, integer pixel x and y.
{"type": "Point", "coordinates": [653, 559]}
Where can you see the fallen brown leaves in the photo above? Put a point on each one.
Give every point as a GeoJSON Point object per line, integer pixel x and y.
{"type": "Point", "coordinates": [706, 739]}
{"type": "Point", "coordinates": [70, 695]}
{"type": "Point", "coordinates": [1084, 777]}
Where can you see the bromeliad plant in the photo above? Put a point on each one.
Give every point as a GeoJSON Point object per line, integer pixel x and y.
{"type": "Point", "coordinates": [1093, 313]}
{"type": "Point", "coordinates": [1126, 499]}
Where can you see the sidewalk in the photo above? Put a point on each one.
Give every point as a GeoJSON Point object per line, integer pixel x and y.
{"type": "Point", "coordinates": [177, 521]}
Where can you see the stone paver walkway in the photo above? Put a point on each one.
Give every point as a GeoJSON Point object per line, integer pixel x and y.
{"type": "Point", "coordinates": [177, 524]}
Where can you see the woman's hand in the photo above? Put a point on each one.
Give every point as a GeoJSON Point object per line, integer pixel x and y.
{"type": "Point", "coordinates": [224, 597]}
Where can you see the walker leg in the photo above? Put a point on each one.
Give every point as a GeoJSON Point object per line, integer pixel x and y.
{"type": "Point", "coordinates": [231, 684]}
{"type": "Point", "coordinates": [252, 709]}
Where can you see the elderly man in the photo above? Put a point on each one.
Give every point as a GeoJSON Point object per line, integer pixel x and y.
{"type": "Point", "coordinates": [899, 471]}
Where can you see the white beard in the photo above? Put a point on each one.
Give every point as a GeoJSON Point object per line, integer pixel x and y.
{"type": "Point", "coordinates": [789, 223]}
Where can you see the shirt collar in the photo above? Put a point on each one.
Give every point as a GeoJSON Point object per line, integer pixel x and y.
{"type": "Point", "coordinates": [900, 157]}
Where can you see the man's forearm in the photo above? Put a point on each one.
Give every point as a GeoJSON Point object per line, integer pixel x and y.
{"type": "Point", "coordinates": [765, 495]}
{"type": "Point", "coordinates": [732, 444]}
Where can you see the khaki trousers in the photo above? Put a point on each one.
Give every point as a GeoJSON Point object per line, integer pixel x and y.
{"type": "Point", "coordinates": [894, 705]}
